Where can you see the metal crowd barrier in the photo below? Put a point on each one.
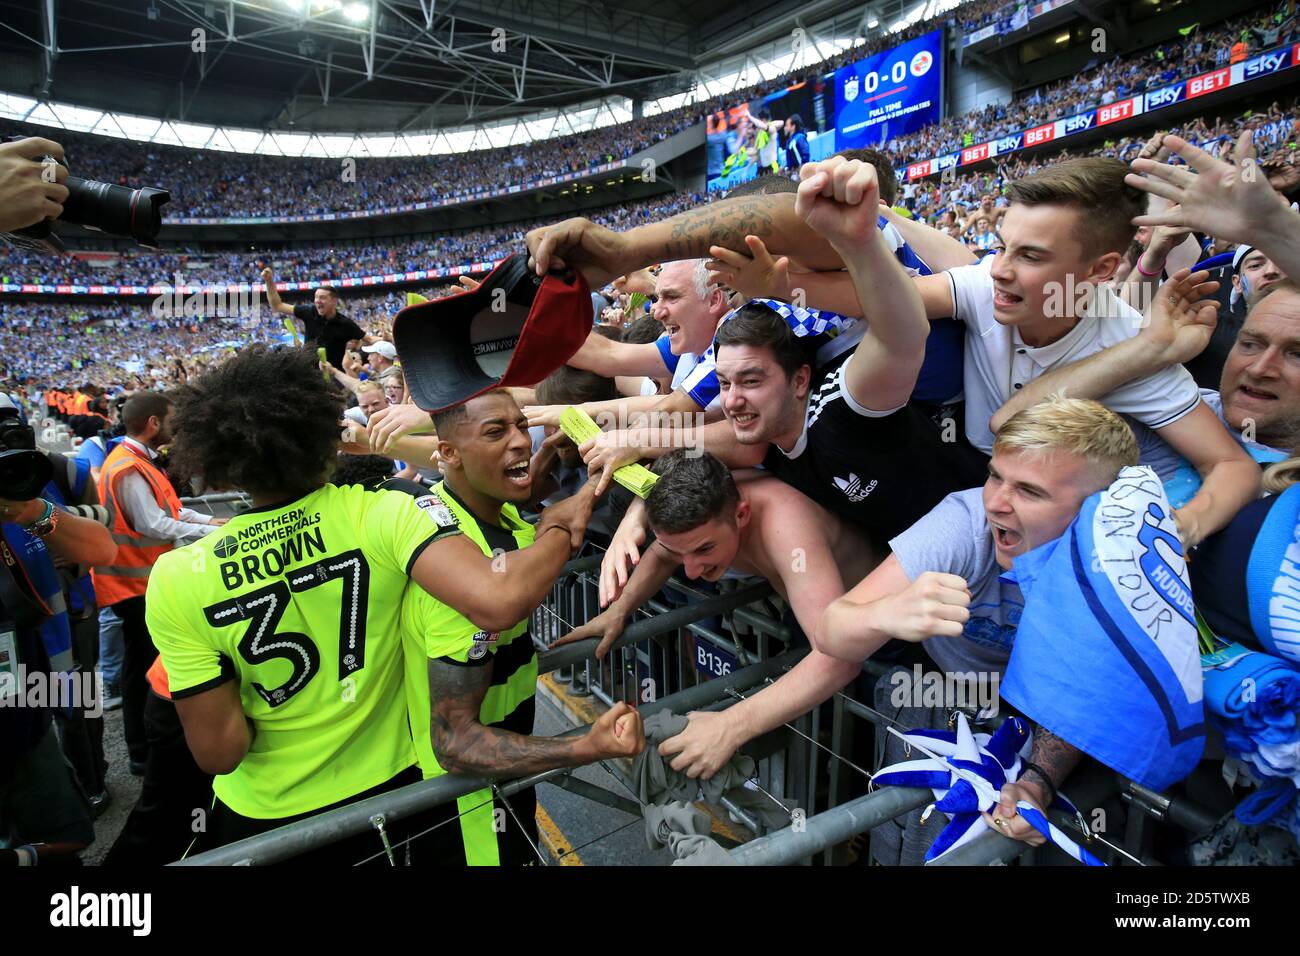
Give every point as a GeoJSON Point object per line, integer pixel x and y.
{"type": "Point", "coordinates": [295, 838]}
{"type": "Point", "coordinates": [657, 663]}
{"type": "Point", "coordinates": [219, 504]}
{"type": "Point", "coordinates": [217, 497]}
{"type": "Point", "coordinates": [573, 601]}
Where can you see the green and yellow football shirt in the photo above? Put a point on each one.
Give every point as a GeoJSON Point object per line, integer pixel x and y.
{"type": "Point", "coordinates": [300, 604]}
{"type": "Point", "coordinates": [431, 629]}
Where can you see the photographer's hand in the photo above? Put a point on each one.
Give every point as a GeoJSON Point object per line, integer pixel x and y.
{"type": "Point", "coordinates": [30, 190]}
{"type": "Point", "coordinates": [75, 539]}
{"type": "Point", "coordinates": [21, 512]}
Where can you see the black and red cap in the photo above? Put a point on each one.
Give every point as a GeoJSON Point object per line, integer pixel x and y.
{"type": "Point", "coordinates": [514, 329]}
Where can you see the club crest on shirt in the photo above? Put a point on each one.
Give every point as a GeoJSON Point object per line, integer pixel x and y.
{"type": "Point", "coordinates": [853, 488]}
{"type": "Point", "coordinates": [438, 511]}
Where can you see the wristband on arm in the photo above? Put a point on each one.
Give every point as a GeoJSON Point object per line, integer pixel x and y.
{"type": "Point", "coordinates": [1150, 275]}
{"type": "Point", "coordinates": [1027, 767]}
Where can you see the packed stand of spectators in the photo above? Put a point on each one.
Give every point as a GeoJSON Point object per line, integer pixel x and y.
{"type": "Point", "coordinates": [122, 346]}
{"type": "Point", "coordinates": [108, 343]}
{"type": "Point", "coordinates": [143, 267]}
{"type": "Point", "coordinates": [1102, 83]}
{"type": "Point", "coordinates": [953, 206]}
{"type": "Point", "coordinates": [208, 183]}
{"type": "Point", "coordinates": [973, 16]}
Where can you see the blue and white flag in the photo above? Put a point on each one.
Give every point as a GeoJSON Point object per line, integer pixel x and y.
{"type": "Point", "coordinates": [1106, 655]}
{"type": "Point", "coordinates": [967, 772]}
{"type": "Point", "coordinates": [1273, 578]}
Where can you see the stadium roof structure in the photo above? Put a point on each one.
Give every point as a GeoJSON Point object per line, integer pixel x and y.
{"type": "Point", "coordinates": [358, 66]}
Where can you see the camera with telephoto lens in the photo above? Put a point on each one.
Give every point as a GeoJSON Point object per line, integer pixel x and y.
{"type": "Point", "coordinates": [24, 471]}
{"type": "Point", "coordinates": [104, 207]}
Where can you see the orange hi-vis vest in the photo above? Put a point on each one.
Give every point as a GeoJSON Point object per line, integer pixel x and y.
{"type": "Point", "coordinates": [128, 575]}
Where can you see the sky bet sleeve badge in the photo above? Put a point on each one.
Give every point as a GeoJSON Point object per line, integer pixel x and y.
{"type": "Point", "coordinates": [482, 642]}
{"type": "Point", "coordinates": [438, 511]}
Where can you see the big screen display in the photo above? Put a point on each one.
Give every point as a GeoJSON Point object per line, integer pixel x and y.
{"type": "Point", "coordinates": [860, 104]}
{"type": "Point", "coordinates": [890, 94]}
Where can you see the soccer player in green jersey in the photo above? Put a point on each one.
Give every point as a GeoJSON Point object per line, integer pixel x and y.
{"type": "Point", "coordinates": [279, 633]}
{"type": "Point", "coordinates": [472, 688]}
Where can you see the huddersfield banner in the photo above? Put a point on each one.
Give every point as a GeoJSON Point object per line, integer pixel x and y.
{"type": "Point", "coordinates": [1106, 654]}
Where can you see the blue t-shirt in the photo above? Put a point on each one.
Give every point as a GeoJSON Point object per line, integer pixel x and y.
{"type": "Point", "coordinates": [81, 591]}
{"type": "Point", "coordinates": [665, 351]}
{"type": "Point", "coordinates": [1218, 574]}
{"type": "Point", "coordinates": [798, 151]}
{"type": "Point", "coordinates": [95, 450]}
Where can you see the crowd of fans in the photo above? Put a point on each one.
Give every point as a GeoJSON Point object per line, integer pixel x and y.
{"type": "Point", "coordinates": [951, 205]}
{"type": "Point", "coordinates": [209, 183]}
{"type": "Point", "coordinates": [123, 346]}
{"type": "Point", "coordinates": [1115, 79]}
{"type": "Point", "coordinates": [1102, 83]}
{"type": "Point", "coordinates": [199, 266]}
{"type": "Point", "coordinates": [206, 183]}
{"type": "Point", "coordinates": [224, 184]}
{"type": "Point", "coordinates": [973, 16]}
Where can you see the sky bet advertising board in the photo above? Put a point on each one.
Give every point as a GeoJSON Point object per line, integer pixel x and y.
{"type": "Point", "coordinates": [890, 94]}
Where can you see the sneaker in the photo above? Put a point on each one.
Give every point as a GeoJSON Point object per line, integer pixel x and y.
{"type": "Point", "coordinates": [112, 701]}
{"type": "Point", "coordinates": [137, 768]}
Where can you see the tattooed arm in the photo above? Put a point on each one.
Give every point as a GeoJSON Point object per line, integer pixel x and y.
{"type": "Point", "coordinates": [1053, 755]}
{"type": "Point", "coordinates": [463, 745]}
{"type": "Point", "coordinates": [603, 254]}
{"type": "Point", "coordinates": [772, 218]}
{"type": "Point", "coordinates": [1053, 759]}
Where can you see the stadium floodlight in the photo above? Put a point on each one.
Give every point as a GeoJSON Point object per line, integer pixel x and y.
{"type": "Point", "coordinates": [326, 4]}
{"type": "Point", "coordinates": [357, 12]}
{"type": "Point", "coordinates": [297, 6]}
{"type": "Point", "coordinates": [152, 11]}
{"type": "Point", "coordinates": [873, 24]}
